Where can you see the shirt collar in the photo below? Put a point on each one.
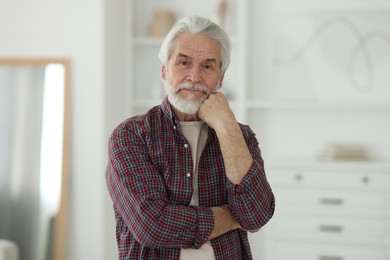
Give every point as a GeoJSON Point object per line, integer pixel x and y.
{"type": "Point", "coordinates": [167, 111]}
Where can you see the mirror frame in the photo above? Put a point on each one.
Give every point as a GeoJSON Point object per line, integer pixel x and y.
{"type": "Point", "coordinates": [60, 243]}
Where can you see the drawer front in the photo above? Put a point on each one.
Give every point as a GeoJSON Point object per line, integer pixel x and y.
{"type": "Point", "coordinates": [374, 232]}
{"type": "Point", "coordinates": [329, 179]}
{"type": "Point", "coordinates": [332, 203]}
{"type": "Point", "coordinates": [296, 251]}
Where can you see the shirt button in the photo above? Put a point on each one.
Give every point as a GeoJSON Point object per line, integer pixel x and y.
{"type": "Point", "coordinates": [188, 174]}
{"type": "Point", "coordinates": [185, 145]}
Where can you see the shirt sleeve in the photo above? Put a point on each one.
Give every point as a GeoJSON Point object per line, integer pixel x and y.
{"type": "Point", "coordinates": [252, 202]}
{"type": "Point", "coordinates": [139, 196]}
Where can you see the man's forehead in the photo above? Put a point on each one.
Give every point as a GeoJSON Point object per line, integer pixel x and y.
{"type": "Point", "coordinates": [192, 46]}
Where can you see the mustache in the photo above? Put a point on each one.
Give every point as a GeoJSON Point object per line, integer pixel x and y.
{"type": "Point", "coordinates": [199, 87]}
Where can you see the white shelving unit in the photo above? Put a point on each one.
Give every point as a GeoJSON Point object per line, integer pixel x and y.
{"type": "Point", "coordinates": [308, 90]}
{"type": "Point", "coordinates": [324, 79]}
{"type": "Point", "coordinates": [303, 74]}
{"type": "Point", "coordinates": [331, 91]}
{"type": "Point", "coordinates": [325, 83]}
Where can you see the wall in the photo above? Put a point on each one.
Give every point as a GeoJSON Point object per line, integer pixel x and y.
{"type": "Point", "coordinates": [77, 30]}
{"type": "Point", "coordinates": [115, 95]}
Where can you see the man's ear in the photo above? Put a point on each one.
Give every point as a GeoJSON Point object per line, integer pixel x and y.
{"type": "Point", "coordinates": [163, 72]}
{"type": "Point", "coordinates": [221, 80]}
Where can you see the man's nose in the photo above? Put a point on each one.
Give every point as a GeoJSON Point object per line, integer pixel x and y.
{"type": "Point", "coordinates": [194, 74]}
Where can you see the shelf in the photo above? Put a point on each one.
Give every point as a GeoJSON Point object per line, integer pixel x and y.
{"type": "Point", "coordinates": [330, 5]}
{"type": "Point", "coordinates": [288, 163]}
{"type": "Point", "coordinates": [146, 41]}
{"type": "Point", "coordinates": [291, 105]}
{"type": "Point", "coordinates": [319, 105]}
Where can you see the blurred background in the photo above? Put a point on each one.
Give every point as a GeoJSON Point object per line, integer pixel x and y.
{"type": "Point", "coordinates": [310, 77]}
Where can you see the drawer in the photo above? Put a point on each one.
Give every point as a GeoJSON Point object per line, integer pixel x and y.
{"type": "Point", "coordinates": [361, 231]}
{"type": "Point", "coordinates": [332, 203]}
{"type": "Point", "coordinates": [329, 179]}
{"type": "Point", "coordinates": [301, 251]}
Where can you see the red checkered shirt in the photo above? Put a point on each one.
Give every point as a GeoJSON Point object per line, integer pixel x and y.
{"type": "Point", "coordinates": [149, 178]}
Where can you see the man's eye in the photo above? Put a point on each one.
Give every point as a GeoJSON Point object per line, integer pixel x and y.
{"type": "Point", "coordinates": [207, 67]}
{"type": "Point", "coordinates": [184, 63]}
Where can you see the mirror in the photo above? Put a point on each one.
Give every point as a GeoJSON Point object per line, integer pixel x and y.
{"type": "Point", "coordinates": [34, 155]}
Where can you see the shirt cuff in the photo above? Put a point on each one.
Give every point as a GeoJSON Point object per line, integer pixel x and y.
{"type": "Point", "coordinates": [205, 226]}
{"type": "Point", "coordinates": [250, 180]}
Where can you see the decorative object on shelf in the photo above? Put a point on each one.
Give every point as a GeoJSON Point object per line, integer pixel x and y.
{"type": "Point", "coordinates": [344, 152]}
{"type": "Point", "coordinates": [162, 22]}
{"type": "Point", "coordinates": [222, 9]}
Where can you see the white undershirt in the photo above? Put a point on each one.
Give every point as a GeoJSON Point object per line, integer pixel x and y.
{"type": "Point", "coordinates": [196, 132]}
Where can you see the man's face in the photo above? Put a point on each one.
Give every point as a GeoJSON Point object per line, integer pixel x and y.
{"type": "Point", "coordinates": [193, 72]}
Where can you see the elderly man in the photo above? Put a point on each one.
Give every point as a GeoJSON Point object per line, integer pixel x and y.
{"type": "Point", "coordinates": [186, 179]}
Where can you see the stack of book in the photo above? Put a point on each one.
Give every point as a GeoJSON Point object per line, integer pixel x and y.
{"type": "Point", "coordinates": [344, 152]}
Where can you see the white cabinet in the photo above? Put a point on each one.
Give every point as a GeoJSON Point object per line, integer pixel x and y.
{"type": "Point", "coordinates": [329, 211]}
{"type": "Point", "coordinates": [143, 66]}
{"type": "Point", "coordinates": [299, 251]}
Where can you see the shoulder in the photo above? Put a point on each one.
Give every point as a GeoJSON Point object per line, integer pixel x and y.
{"type": "Point", "coordinates": [140, 124]}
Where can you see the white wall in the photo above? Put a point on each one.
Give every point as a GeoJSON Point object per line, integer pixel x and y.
{"type": "Point", "coordinates": [77, 30]}
{"type": "Point", "coordinates": [115, 95]}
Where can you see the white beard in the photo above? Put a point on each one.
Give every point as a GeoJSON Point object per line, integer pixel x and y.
{"type": "Point", "coordinates": [189, 105]}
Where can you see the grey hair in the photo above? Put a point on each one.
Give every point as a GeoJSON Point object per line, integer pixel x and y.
{"type": "Point", "coordinates": [196, 24]}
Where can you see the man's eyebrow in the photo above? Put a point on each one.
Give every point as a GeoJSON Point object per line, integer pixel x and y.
{"type": "Point", "coordinates": [212, 60]}
{"type": "Point", "coordinates": [182, 55]}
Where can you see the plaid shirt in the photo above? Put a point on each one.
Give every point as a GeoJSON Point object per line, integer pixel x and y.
{"type": "Point", "coordinates": [149, 177]}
